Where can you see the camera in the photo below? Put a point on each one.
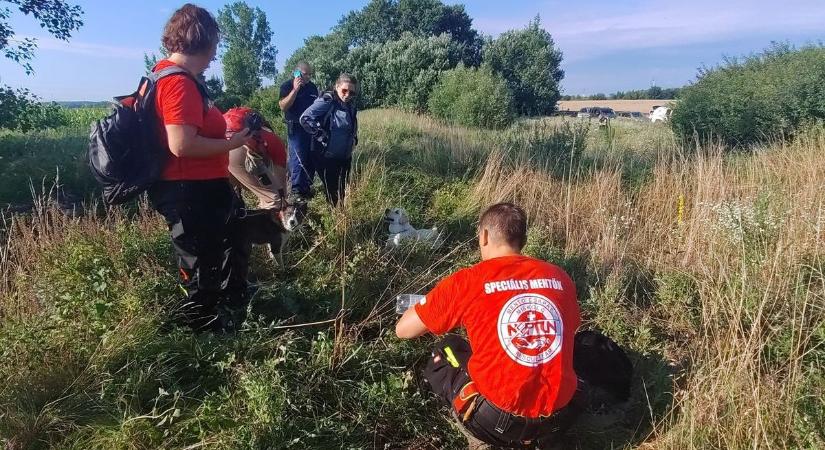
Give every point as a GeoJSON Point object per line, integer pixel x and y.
{"type": "Point", "coordinates": [253, 121]}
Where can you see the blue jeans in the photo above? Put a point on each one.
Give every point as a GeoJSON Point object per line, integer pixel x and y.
{"type": "Point", "coordinates": [301, 163]}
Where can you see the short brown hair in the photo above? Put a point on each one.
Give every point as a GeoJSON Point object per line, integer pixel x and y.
{"type": "Point", "coordinates": [346, 78]}
{"type": "Point", "coordinates": [191, 30]}
{"type": "Point", "coordinates": [507, 222]}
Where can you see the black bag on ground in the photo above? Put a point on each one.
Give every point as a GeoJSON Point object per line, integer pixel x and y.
{"type": "Point", "coordinates": [126, 154]}
{"type": "Point", "coordinates": [604, 370]}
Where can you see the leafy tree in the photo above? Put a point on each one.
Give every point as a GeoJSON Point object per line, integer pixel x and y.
{"type": "Point", "coordinates": [19, 109]}
{"type": "Point", "coordinates": [387, 20]}
{"type": "Point", "coordinates": [248, 53]}
{"type": "Point", "coordinates": [59, 18]}
{"type": "Point", "coordinates": [327, 56]}
{"type": "Point", "coordinates": [376, 22]}
{"type": "Point", "coordinates": [214, 86]}
{"type": "Point", "coordinates": [529, 61]}
{"type": "Point", "coordinates": [402, 72]}
{"type": "Point", "coordinates": [474, 97]}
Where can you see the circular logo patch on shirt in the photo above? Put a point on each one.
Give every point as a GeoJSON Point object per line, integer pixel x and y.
{"type": "Point", "coordinates": [530, 329]}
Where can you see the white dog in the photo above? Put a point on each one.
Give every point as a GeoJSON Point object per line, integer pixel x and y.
{"type": "Point", "coordinates": [401, 230]}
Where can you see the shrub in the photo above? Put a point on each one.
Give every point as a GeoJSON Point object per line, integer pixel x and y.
{"type": "Point", "coordinates": [20, 110]}
{"type": "Point", "coordinates": [473, 97]}
{"type": "Point", "coordinates": [265, 101]}
{"type": "Point", "coordinates": [764, 96]}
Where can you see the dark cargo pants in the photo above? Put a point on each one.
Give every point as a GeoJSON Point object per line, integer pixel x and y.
{"type": "Point", "coordinates": [212, 254]}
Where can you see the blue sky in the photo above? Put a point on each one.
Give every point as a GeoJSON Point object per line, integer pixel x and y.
{"type": "Point", "coordinates": [608, 45]}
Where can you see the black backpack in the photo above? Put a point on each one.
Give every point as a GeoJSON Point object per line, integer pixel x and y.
{"type": "Point", "coordinates": [126, 153]}
{"type": "Point", "coordinates": [605, 372]}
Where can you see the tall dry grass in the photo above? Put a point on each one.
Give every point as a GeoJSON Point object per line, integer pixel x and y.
{"type": "Point", "coordinates": [750, 231]}
{"type": "Point", "coordinates": [707, 267]}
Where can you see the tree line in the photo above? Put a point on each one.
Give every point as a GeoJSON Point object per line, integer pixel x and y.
{"type": "Point", "coordinates": [651, 93]}
{"type": "Point", "coordinates": [400, 50]}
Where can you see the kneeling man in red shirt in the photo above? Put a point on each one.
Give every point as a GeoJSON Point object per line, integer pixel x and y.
{"type": "Point", "coordinates": [512, 383]}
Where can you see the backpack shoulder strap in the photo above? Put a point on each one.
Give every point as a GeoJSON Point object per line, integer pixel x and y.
{"type": "Point", "coordinates": [175, 70]}
{"type": "Point", "coordinates": [165, 72]}
{"type": "Point", "coordinates": [328, 97]}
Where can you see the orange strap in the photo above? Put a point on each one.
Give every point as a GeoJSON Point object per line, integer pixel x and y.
{"type": "Point", "coordinates": [464, 401]}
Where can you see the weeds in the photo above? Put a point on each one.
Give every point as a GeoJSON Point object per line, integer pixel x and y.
{"type": "Point", "coordinates": [708, 268]}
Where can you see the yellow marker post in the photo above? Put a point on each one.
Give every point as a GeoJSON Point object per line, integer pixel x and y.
{"type": "Point", "coordinates": [680, 209]}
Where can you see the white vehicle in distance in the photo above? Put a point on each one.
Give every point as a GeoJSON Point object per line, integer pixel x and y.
{"type": "Point", "coordinates": [660, 114]}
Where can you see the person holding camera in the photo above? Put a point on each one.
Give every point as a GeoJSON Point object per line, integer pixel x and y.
{"type": "Point", "coordinates": [511, 382]}
{"type": "Point", "coordinates": [259, 165]}
{"type": "Point", "coordinates": [296, 95]}
{"type": "Point", "coordinates": [333, 124]}
{"type": "Point", "coordinates": [194, 195]}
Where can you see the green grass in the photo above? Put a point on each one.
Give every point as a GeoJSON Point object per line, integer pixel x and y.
{"type": "Point", "coordinates": [721, 308]}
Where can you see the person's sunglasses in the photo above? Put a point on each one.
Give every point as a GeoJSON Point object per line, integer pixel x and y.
{"type": "Point", "coordinates": [347, 92]}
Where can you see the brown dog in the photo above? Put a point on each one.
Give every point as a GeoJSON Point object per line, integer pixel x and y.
{"type": "Point", "coordinates": [273, 227]}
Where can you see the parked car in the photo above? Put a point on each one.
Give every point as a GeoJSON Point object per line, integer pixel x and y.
{"type": "Point", "coordinates": [632, 115]}
{"type": "Point", "coordinates": [608, 112]}
{"type": "Point", "coordinates": [661, 114]}
{"type": "Point", "coordinates": [586, 113]}
{"type": "Point", "coordinates": [596, 112]}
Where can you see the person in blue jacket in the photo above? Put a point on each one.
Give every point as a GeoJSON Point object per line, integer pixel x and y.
{"type": "Point", "coordinates": [332, 122]}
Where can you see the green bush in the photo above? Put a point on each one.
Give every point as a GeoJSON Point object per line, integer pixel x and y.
{"type": "Point", "coordinates": [760, 97]}
{"type": "Point", "coordinates": [265, 101]}
{"type": "Point", "coordinates": [20, 110]}
{"type": "Point", "coordinates": [40, 158]}
{"type": "Point", "coordinates": [473, 97]}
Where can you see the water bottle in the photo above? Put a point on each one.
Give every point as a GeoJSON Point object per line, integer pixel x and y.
{"type": "Point", "coordinates": [406, 301]}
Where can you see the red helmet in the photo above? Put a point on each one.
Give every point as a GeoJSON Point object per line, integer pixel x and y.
{"type": "Point", "coordinates": [236, 118]}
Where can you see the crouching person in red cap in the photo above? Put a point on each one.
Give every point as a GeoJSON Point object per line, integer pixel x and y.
{"type": "Point", "coordinates": [260, 167]}
{"type": "Point", "coordinates": [511, 385]}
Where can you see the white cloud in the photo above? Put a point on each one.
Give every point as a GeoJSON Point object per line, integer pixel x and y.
{"type": "Point", "coordinates": [88, 48]}
{"type": "Point", "coordinates": [654, 24]}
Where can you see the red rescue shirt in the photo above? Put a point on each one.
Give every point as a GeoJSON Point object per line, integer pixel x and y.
{"type": "Point", "coordinates": [179, 102]}
{"type": "Point", "coordinates": [521, 315]}
{"type": "Point", "coordinates": [274, 146]}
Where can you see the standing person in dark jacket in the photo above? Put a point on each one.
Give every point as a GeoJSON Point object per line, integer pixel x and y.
{"type": "Point", "coordinates": [194, 194]}
{"type": "Point", "coordinates": [297, 94]}
{"type": "Point", "coordinates": [332, 121]}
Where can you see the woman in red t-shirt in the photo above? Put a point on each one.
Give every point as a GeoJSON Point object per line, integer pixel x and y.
{"type": "Point", "coordinates": [194, 194]}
